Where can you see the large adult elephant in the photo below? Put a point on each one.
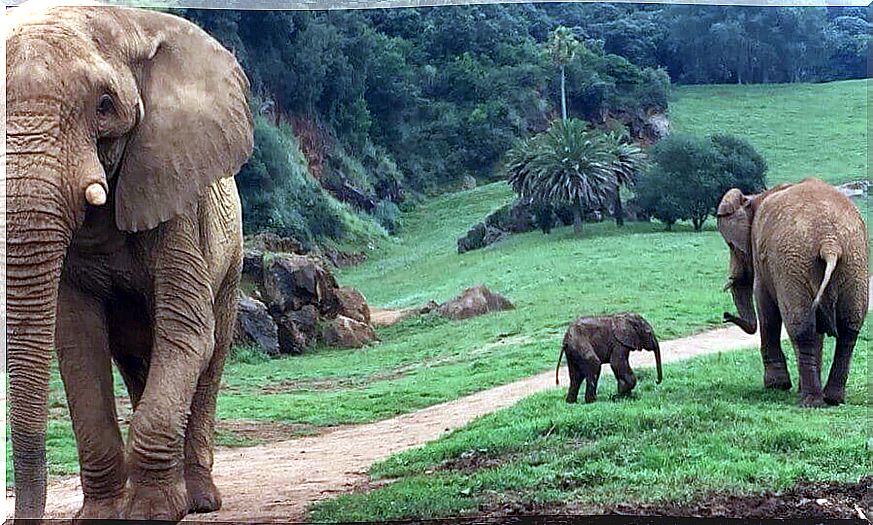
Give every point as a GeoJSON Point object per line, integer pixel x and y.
{"type": "Point", "coordinates": [124, 130]}
{"type": "Point", "coordinates": [800, 250]}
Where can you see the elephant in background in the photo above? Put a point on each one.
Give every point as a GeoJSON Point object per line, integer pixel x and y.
{"type": "Point", "coordinates": [592, 341]}
{"type": "Point", "coordinates": [798, 255]}
{"type": "Point", "coordinates": [125, 128]}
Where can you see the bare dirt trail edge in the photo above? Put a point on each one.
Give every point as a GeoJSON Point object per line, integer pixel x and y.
{"type": "Point", "coordinates": [277, 481]}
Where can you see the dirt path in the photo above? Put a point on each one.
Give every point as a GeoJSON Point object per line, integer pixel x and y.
{"type": "Point", "coordinates": [276, 481]}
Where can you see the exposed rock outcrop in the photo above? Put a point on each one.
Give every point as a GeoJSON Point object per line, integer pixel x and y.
{"type": "Point", "coordinates": [344, 332]}
{"type": "Point", "coordinates": [255, 327]}
{"type": "Point", "coordinates": [353, 304]}
{"type": "Point", "coordinates": [291, 298]}
{"type": "Point", "coordinates": [475, 301]}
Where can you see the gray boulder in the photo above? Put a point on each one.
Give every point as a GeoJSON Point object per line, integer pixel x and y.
{"type": "Point", "coordinates": [475, 301]}
{"type": "Point", "coordinates": [294, 281]}
{"type": "Point", "coordinates": [255, 327]}
{"type": "Point", "coordinates": [297, 329]}
{"type": "Point", "coordinates": [253, 266]}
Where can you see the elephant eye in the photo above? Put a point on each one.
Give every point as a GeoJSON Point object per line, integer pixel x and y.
{"type": "Point", "coordinates": [105, 105]}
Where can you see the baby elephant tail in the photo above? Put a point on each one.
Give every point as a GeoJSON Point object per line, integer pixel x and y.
{"type": "Point", "coordinates": [558, 368]}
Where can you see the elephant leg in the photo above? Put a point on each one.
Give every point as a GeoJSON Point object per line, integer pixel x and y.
{"type": "Point", "coordinates": [86, 370]}
{"type": "Point", "coordinates": [184, 331]}
{"type": "Point", "coordinates": [622, 370]}
{"type": "Point", "coordinates": [775, 366]}
{"type": "Point", "coordinates": [199, 437]}
{"type": "Point", "coordinates": [592, 376]}
{"type": "Point", "coordinates": [576, 378]}
{"type": "Point", "coordinates": [808, 345]}
{"type": "Point", "coordinates": [835, 390]}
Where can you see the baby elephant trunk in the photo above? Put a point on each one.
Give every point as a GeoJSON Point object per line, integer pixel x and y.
{"type": "Point", "coordinates": [657, 350]}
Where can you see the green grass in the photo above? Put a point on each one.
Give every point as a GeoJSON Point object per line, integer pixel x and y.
{"type": "Point", "coordinates": [801, 129]}
{"type": "Point", "coordinates": [669, 278]}
{"type": "Point", "coordinates": [710, 426]}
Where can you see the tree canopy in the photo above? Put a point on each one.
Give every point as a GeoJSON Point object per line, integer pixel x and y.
{"type": "Point", "coordinates": [689, 175]}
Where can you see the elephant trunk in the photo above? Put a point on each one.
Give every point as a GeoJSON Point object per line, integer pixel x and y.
{"type": "Point", "coordinates": [657, 350]}
{"type": "Point", "coordinates": [747, 320]}
{"type": "Point", "coordinates": [39, 229]}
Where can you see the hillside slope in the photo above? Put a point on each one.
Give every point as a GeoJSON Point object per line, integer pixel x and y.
{"type": "Point", "coordinates": [801, 129]}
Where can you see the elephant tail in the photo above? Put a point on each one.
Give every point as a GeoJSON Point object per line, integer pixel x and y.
{"type": "Point", "coordinates": [558, 368]}
{"type": "Point", "coordinates": [825, 321]}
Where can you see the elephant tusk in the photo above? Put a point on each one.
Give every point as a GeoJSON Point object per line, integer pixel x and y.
{"type": "Point", "coordinates": [95, 194]}
{"type": "Point", "coordinates": [728, 285]}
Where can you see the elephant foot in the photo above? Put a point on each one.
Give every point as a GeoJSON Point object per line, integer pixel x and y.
{"type": "Point", "coordinates": [833, 396]}
{"type": "Point", "coordinates": [777, 379]}
{"type": "Point", "coordinates": [165, 501]}
{"type": "Point", "coordinates": [812, 401]}
{"type": "Point", "coordinates": [100, 509]}
{"type": "Point", "coordinates": [202, 492]}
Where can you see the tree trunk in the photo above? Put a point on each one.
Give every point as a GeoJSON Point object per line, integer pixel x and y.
{"type": "Point", "coordinates": [618, 209]}
{"type": "Point", "coordinates": [563, 96]}
{"type": "Point", "coordinates": [577, 221]}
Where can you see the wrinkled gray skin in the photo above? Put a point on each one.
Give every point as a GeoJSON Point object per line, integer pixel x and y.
{"type": "Point", "coordinates": [124, 243]}
{"type": "Point", "coordinates": [798, 256]}
{"type": "Point", "coordinates": [593, 341]}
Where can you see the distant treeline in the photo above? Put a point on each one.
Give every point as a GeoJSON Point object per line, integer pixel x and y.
{"type": "Point", "coordinates": [389, 101]}
{"type": "Point", "coordinates": [731, 44]}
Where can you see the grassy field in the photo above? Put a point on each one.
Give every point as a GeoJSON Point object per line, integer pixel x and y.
{"type": "Point", "coordinates": [801, 129]}
{"type": "Point", "coordinates": [709, 427]}
{"type": "Point", "coordinates": [674, 279]}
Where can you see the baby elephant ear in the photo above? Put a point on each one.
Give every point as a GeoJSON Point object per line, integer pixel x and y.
{"type": "Point", "coordinates": [196, 125]}
{"type": "Point", "coordinates": [627, 332]}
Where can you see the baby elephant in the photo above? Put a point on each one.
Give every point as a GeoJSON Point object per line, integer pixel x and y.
{"type": "Point", "coordinates": [591, 341]}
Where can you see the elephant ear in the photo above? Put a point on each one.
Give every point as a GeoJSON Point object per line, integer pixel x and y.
{"type": "Point", "coordinates": [626, 332]}
{"type": "Point", "coordinates": [735, 220]}
{"type": "Point", "coordinates": [195, 127]}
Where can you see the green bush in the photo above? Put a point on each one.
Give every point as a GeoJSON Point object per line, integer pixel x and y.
{"type": "Point", "coordinates": [747, 168]}
{"type": "Point", "coordinates": [387, 214]}
{"type": "Point", "coordinates": [689, 174]}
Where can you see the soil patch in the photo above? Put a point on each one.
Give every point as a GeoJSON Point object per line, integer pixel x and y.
{"type": "Point", "coordinates": [472, 461]}
{"type": "Point", "coordinates": [252, 432]}
{"type": "Point", "coordinates": [806, 500]}
{"type": "Point", "coordinates": [818, 500]}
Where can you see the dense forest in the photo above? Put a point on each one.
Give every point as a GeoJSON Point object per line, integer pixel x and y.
{"type": "Point", "coordinates": [358, 110]}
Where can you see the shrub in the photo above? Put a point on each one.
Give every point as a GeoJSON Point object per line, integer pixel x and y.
{"type": "Point", "coordinates": [387, 214]}
{"type": "Point", "coordinates": [690, 174]}
{"type": "Point", "coordinates": [746, 167]}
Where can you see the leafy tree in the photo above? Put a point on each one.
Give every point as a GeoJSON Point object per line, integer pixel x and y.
{"type": "Point", "coordinates": [745, 168]}
{"type": "Point", "coordinates": [689, 175]}
{"type": "Point", "coordinates": [686, 181]}
{"type": "Point", "coordinates": [566, 165]}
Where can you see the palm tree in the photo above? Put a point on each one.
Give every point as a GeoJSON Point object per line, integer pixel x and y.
{"type": "Point", "coordinates": [565, 165]}
{"type": "Point", "coordinates": [563, 48]}
{"type": "Point", "coordinates": [628, 162]}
